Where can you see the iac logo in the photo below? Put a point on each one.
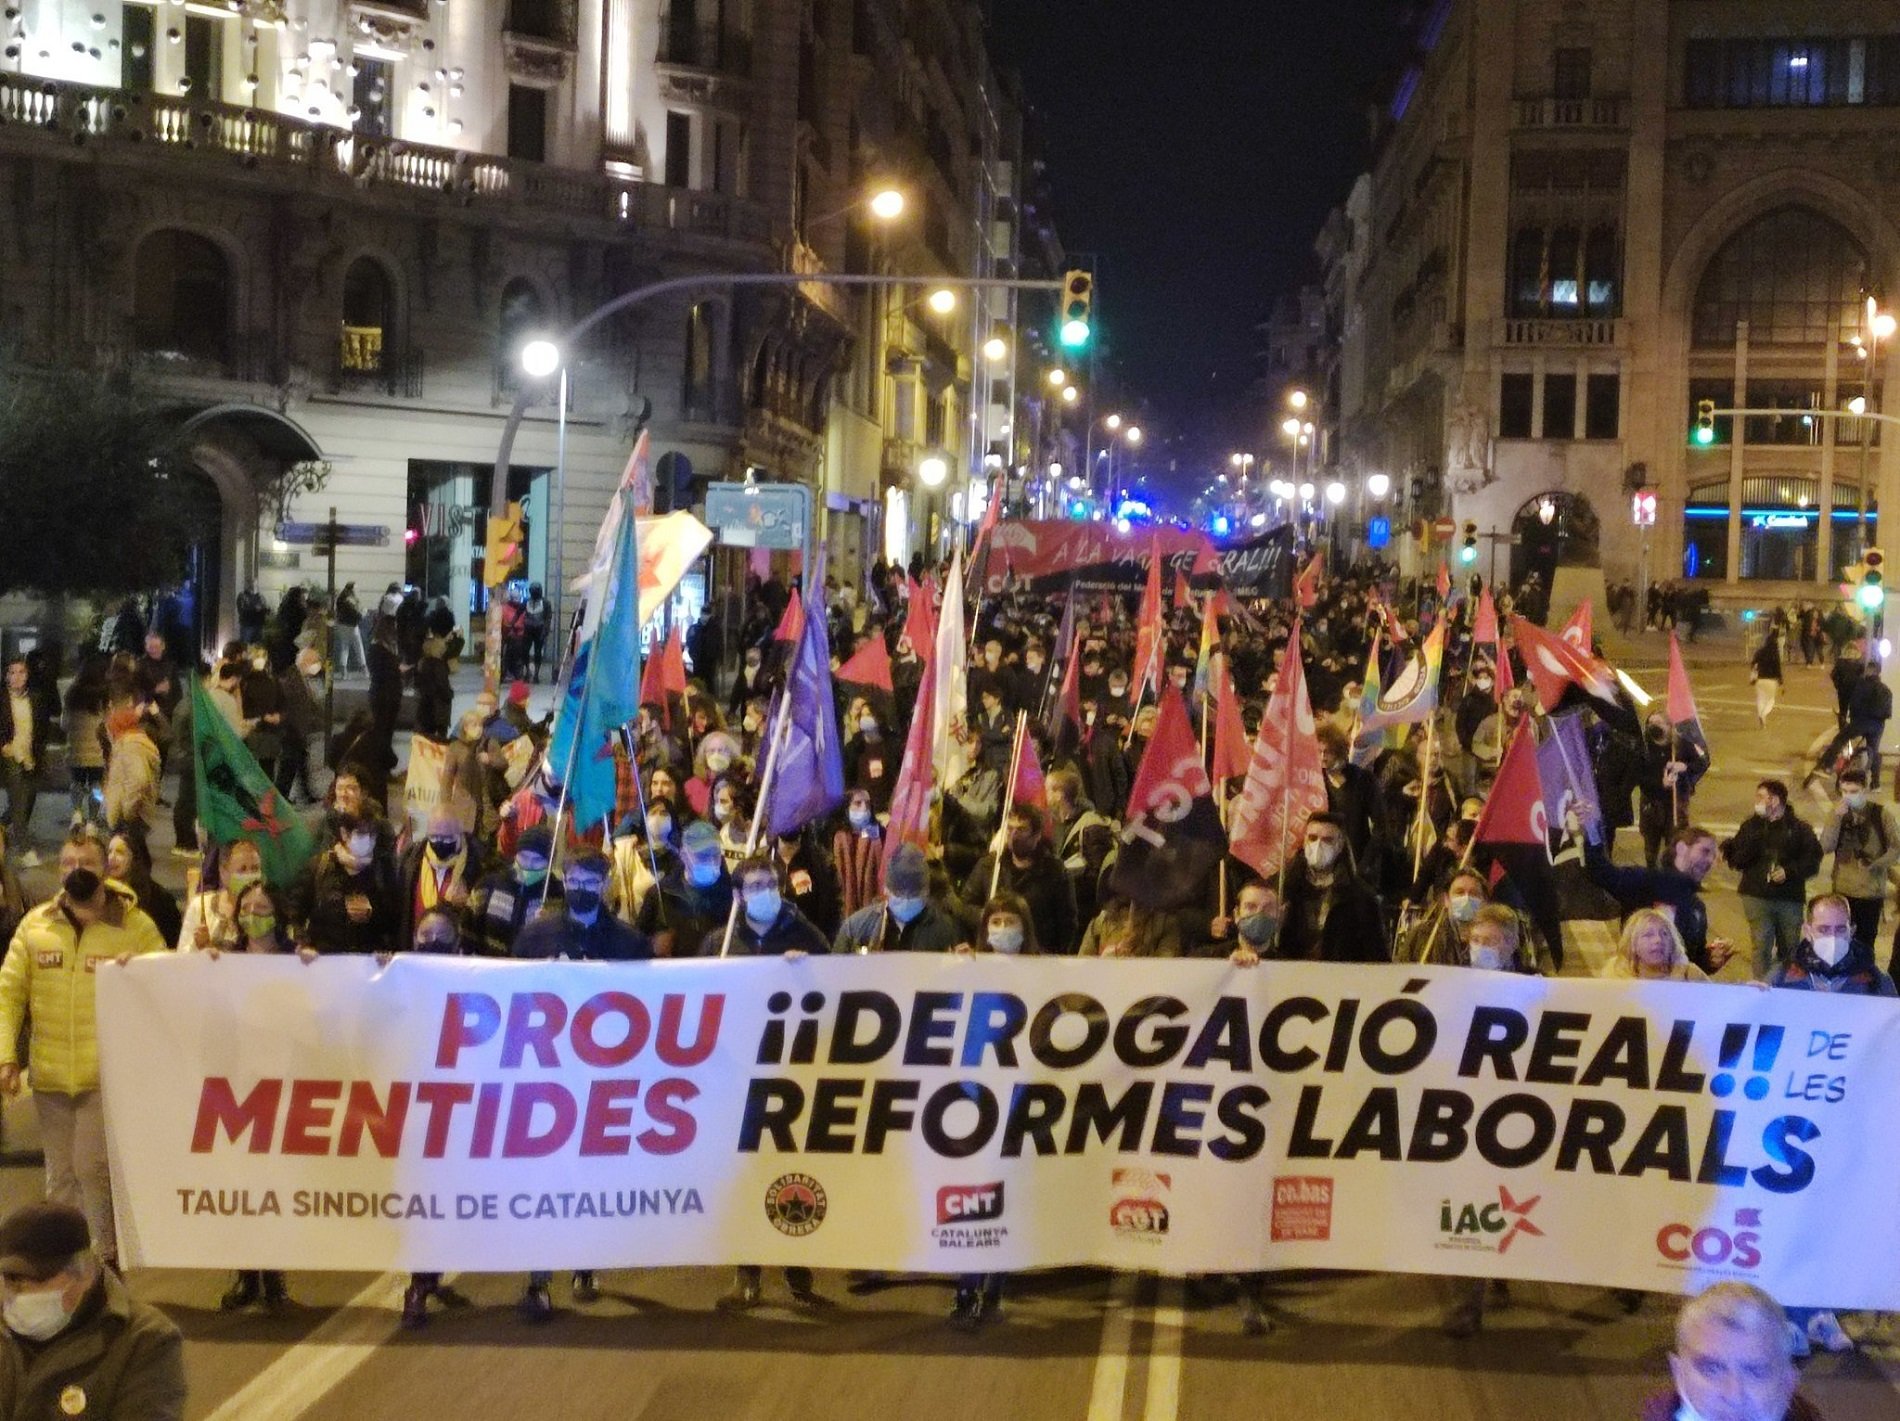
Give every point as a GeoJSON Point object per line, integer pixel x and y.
{"type": "Point", "coordinates": [1487, 1227]}
{"type": "Point", "coordinates": [969, 1203]}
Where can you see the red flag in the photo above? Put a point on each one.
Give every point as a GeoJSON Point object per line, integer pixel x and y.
{"type": "Point", "coordinates": [1506, 680]}
{"type": "Point", "coordinates": [1231, 753]}
{"type": "Point", "coordinates": [1030, 788]}
{"type": "Point", "coordinates": [1554, 663]}
{"type": "Point", "coordinates": [871, 666]}
{"type": "Point", "coordinates": [1306, 584]}
{"type": "Point", "coordinates": [1148, 625]}
{"type": "Point", "coordinates": [1444, 582]}
{"type": "Point", "coordinates": [910, 796]}
{"type": "Point", "coordinates": [1681, 698]}
{"type": "Point", "coordinates": [1577, 631]}
{"type": "Point", "coordinates": [791, 626]}
{"type": "Point", "coordinates": [1171, 835]}
{"type": "Point", "coordinates": [920, 624]}
{"type": "Point", "coordinates": [1069, 698]}
{"type": "Point", "coordinates": [1513, 835]}
{"type": "Point", "coordinates": [1285, 783]}
{"type": "Point", "coordinates": [665, 677]}
{"type": "Point", "coordinates": [1183, 594]}
{"type": "Point", "coordinates": [1484, 626]}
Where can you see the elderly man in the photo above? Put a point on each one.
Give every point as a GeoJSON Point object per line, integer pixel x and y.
{"type": "Point", "coordinates": [76, 1343]}
{"type": "Point", "coordinates": [1731, 1361]}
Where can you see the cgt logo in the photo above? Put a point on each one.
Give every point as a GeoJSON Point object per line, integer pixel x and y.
{"type": "Point", "coordinates": [1488, 1226]}
{"type": "Point", "coordinates": [1739, 1249]}
{"type": "Point", "coordinates": [1141, 1204]}
{"type": "Point", "coordinates": [969, 1203]}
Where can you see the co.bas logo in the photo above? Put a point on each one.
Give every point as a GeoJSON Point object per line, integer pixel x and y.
{"type": "Point", "coordinates": [967, 1215]}
{"type": "Point", "coordinates": [1302, 1209]}
{"type": "Point", "coordinates": [1733, 1250]}
{"type": "Point", "coordinates": [1487, 1227]}
{"type": "Point", "coordinates": [1140, 1207]}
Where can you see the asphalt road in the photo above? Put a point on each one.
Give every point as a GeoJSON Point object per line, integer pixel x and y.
{"type": "Point", "coordinates": [1076, 1344]}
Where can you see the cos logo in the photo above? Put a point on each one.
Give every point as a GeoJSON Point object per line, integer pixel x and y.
{"type": "Point", "coordinates": [1711, 1247]}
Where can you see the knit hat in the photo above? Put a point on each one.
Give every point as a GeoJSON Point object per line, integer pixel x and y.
{"type": "Point", "coordinates": [518, 693]}
{"type": "Point", "coordinates": [537, 840]}
{"type": "Point", "coordinates": [40, 1239]}
{"type": "Point", "coordinates": [909, 874]}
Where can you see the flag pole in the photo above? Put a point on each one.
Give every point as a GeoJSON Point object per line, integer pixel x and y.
{"type": "Point", "coordinates": [1424, 796]}
{"type": "Point", "coordinates": [781, 730]}
{"type": "Point", "coordinates": [1141, 691]}
{"type": "Point", "coordinates": [1009, 798]}
{"type": "Point", "coordinates": [1220, 800]}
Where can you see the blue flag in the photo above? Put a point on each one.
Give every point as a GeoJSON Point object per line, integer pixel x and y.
{"type": "Point", "coordinates": [603, 685]}
{"type": "Point", "coordinates": [809, 780]}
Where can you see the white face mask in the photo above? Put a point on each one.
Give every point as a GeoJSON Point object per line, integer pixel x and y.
{"type": "Point", "coordinates": [860, 817]}
{"type": "Point", "coordinates": [718, 761]}
{"type": "Point", "coordinates": [1464, 907]}
{"type": "Point", "coordinates": [1006, 940]}
{"type": "Point", "coordinates": [38, 1315]}
{"type": "Point", "coordinates": [1491, 959]}
{"type": "Point", "coordinates": [1831, 947]}
{"type": "Point", "coordinates": [1855, 799]}
{"type": "Point", "coordinates": [1321, 854]}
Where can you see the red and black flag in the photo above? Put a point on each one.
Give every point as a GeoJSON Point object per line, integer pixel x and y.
{"type": "Point", "coordinates": [1171, 835]}
{"type": "Point", "coordinates": [1512, 840]}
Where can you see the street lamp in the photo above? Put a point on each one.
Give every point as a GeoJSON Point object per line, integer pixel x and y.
{"type": "Point", "coordinates": [1335, 493]}
{"type": "Point", "coordinates": [933, 469]}
{"type": "Point", "coordinates": [1133, 436]}
{"type": "Point", "coordinates": [1058, 377]}
{"type": "Point", "coordinates": [1114, 422]}
{"type": "Point", "coordinates": [995, 349]}
{"type": "Point", "coordinates": [1306, 493]}
{"type": "Point", "coordinates": [1290, 427]}
{"type": "Point", "coordinates": [943, 301]}
{"type": "Point", "coordinates": [887, 204]}
{"type": "Point", "coordinates": [540, 358]}
{"type": "Point", "coordinates": [1546, 511]}
{"type": "Point", "coordinates": [1297, 399]}
{"type": "Point", "coordinates": [1378, 485]}
{"type": "Point", "coordinates": [1070, 394]}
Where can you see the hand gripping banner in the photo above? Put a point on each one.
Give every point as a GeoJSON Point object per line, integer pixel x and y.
{"type": "Point", "coordinates": [955, 1114]}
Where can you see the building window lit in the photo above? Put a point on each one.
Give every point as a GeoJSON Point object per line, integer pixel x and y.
{"type": "Point", "coordinates": [1780, 72]}
{"type": "Point", "coordinates": [1795, 276]}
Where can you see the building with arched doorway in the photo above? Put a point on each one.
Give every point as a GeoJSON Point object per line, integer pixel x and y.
{"type": "Point", "coordinates": [1587, 217]}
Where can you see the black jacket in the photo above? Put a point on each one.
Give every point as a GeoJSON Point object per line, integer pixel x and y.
{"type": "Point", "coordinates": [791, 931]}
{"type": "Point", "coordinates": [1762, 844]}
{"type": "Point", "coordinates": [606, 939]}
{"type": "Point", "coordinates": [325, 914]}
{"type": "Point", "coordinates": [1044, 884]}
{"type": "Point", "coordinates": [1354, 927]}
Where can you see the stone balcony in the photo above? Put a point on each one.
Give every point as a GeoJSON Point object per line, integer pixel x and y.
{"type": "Point", "coordinates": [321, 156]}
{"type": "Point", "coordinates": [1608, 111]}
{"type": "Point", "coordinates": [1540, 331]}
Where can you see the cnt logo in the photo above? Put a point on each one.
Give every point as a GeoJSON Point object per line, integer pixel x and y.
{"type": "Point", "coordinates": [1488, 1228]}
{"type": "Point", "coordinates": [1736, 1249]}
{"type": "Point", "coordinates": [969, 1203]}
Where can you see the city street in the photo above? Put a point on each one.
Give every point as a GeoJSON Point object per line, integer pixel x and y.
{"type": "Point", "coordinates": [1074, 1343]}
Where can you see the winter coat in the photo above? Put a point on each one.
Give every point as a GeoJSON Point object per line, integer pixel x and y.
{"type": "Point", "coordinates": [1354, 926]}
{"type": "Point", "coordinates": [131, 783]}
{"type": "Point", "coordinates": [48, 976]}
{"type": "Point", "coordinates": [873, 929]}
{"type": "Point", "coordinates": [1147, 933]}
{"type": "Point", "coordinates": [324, 910]}
{"type": "Point", "coordinates": [1043, 884]}
{"type": "Point", "coordinates": [791, 931]}
{"type": "Point", "coordinates": [606, 939]}
{"type": "Point", "coordinates": [1855, 975]}
{"type": "Point", "coordinates": [119, 1360]}
{"type": "Point", "coordinates": [1864, 844]}
{"type": "Point", "coordinates": [1763, 844]}
{"type": "Point", "coordinates": [858, 860]}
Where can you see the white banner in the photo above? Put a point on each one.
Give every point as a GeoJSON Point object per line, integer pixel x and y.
{"type": "Point", "coordinates": [950, 1114]}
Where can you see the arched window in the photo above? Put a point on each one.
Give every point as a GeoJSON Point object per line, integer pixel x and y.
{"type": "Point", "coordinates": [182, 298]}
{"type": "Point", "coordinates": [369, 313]}
{"type": "Point", "coordinates": [1795, 276]}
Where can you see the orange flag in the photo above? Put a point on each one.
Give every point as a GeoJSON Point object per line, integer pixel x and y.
{"type": "Point", "coordinates": [1148, 624]}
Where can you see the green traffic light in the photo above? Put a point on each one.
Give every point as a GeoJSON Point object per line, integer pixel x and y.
{"type": "Point", "coordinates": [1870, 595]}
{"type": "Point", "coordinates": [1467, 554]}
{"type": "Point", "coordinates": [1705, 435]}
{"type": "Point", "coordinates": [1075, 333]}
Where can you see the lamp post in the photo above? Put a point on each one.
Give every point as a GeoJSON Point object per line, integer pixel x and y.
{"type": "Point", "coordinates": [540, 358]}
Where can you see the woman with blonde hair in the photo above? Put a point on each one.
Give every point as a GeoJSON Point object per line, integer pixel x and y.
{"type": "Point", "coordinates": [1651, 950]}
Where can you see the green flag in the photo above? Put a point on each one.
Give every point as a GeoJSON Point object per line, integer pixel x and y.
{"type": "Point", "coordinates": [236, 799]}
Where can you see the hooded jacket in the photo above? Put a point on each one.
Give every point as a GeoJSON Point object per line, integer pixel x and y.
{"type": "Point", "coordinates": [1855, 975]}
{"type": "Point", "coordinates": [49, 975]}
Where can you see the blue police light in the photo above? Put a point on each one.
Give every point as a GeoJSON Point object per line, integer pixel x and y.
{"type": "Point", "coordinates": [1078, 509]}
{"type": "Point", "coordinates": [1221, 526]}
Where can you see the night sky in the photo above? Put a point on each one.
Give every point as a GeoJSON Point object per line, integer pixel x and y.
{"type": "Point", "coordinates": [1195, 147]}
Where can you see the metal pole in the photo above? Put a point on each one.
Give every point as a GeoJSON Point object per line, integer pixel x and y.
{"type": "Point", "coordinates": [498, 489]}
{"type": "Point", "coordinates": [557, 525]}
{"type": "Point", "coordinates": [329, 662]}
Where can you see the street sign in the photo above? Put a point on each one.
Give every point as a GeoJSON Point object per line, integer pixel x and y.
{"type": "Point", "coordinates": [760, 515]}
{"type": "Point", "coordinates": [1378, 532]}
{"type": "Point", "coordinates": [1443, 528]}
{"type": "Point", "coordinates": [345, 535]}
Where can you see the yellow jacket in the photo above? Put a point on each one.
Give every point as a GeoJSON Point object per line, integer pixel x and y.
{"type": "Point", "coordinates": [48, 977]}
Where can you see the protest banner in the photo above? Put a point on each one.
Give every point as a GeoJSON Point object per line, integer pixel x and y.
{"type": "Point", "coordinates": [423, 791]}
{"type": "Point", "coordinates": [1049, 556]}
{"type": "Point", "coordinates": [956, 1113]}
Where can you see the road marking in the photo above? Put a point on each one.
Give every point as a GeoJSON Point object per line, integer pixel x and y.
{"type": "Point", "coordinates": [1108, 1393]}
{"type": "Point", "coordinates": [302, 1376]}
{"type": "Point", "coordinates": [1739, 703]}
{"type": "Point", "coordinates": [1164, 1358]}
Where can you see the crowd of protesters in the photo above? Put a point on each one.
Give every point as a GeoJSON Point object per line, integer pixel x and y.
{"type": "Point", "coordinates": [1383, 872]}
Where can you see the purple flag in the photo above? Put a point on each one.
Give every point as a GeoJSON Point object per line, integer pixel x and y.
{"type": "Point", "coordinates": [809, 780]}
{"type": "Point", "coordinates": [1564, 771]}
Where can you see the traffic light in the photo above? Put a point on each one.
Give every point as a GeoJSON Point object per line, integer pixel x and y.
{"type": "Point", "coordinates": [1871, 594]}
{"type": "Point", "coordinates": [1078, 293]}
{"type": "Point", "coordinates": [1705, 422]}
{"type": "Point", "coordinates": [1643, 508]}
{"type": "Point", "coordinates": [503, 553]}
{"type": "Point", "coordinates": [1468, 551]}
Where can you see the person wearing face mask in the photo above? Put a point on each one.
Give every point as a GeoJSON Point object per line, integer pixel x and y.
{"type": "Point", "coordinates": [692, 899]}
{"type": "Point", "coordinates": [441, 869]}
{"type": "Point", "coordinates": [210, 918]}
{"type": "Point", "coordinates": [1440, 937]}
{"type": "Point", "coordinates": [640, 853]}
{"type": "Point", "coordinates": [261, 702]}
{"type": "Point", "coordinates": [76, 1342]}
{"type": "Point", "coordinates": [907, 919]}
{"type": "Point", "coordinates": [1667, 773]}
{"type": "Point", "coordinates": [1332, 914]}
{"type": "Point", "coordinates": [1676, 884]}
{"type": "Point", "coordinates": [769, 923]}
{"type": "Point", "coordinates": [1355, 798]}
{"type": "Point", "coordinates": [1252, 930]}
{"type": "Point", "coordinates": [718, 758]}
{"type": "Point", "coordinates": [1829, 958]}
{"type": "Point", "coordinates": [749, 683]}
{"type": "Point", "coordinates": [1776, 854]}
{"type": "Point", "coordinates": [871, 760]}
{"type": "Point", "coordinates": [48, 978]}
{"type": "Point", "coordinates": [857, 853]}
{"type": "Point", "coordinates": [1864, 838]}
{"type": "Point", "coordinates": [811, 884]}
{"type": "Point", "coordinates": [350, 900]}
{"type": "Point", "coordinates": [504, 902]}
{"type": "Point", "coordinates": [1026, 865]}
{"type": "Point", "coordinates": [732, 814]}
{"type": "Point", "coordinates": [1478, 704]}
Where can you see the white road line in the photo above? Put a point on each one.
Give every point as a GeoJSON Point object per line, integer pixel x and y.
{"type": "Point", "coordinates": [302, 1376]}
{"type": "Point", "coordinates": [1164, 1358]}
{"type": "Point", "coordinates": [1109, 1391]}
